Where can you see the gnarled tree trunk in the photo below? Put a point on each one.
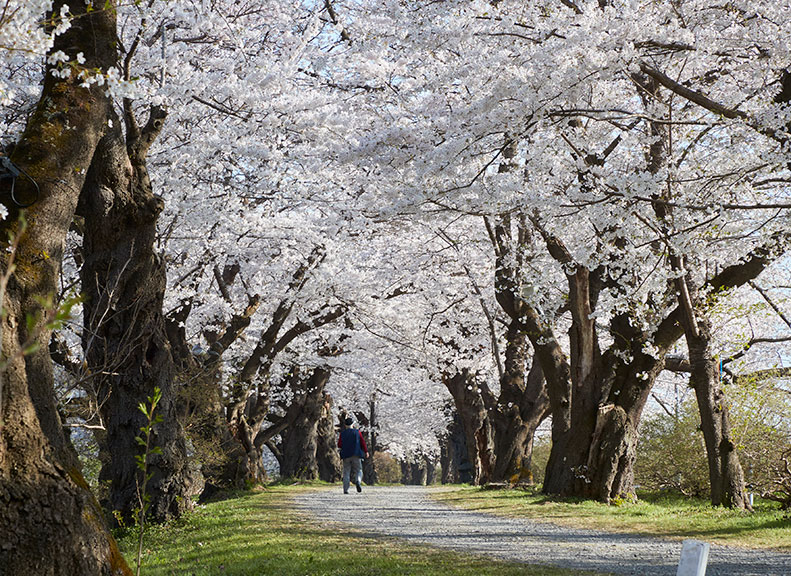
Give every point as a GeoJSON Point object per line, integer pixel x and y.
{"type": "Point", "coordinates": [575, 390]}
{"type": "Point", "coordinates": [300, 438]}
{"type": "Point", "coordinates": [522, 405]}
{"type": "Point", "coordinates": [222, 457]}
{"type": "Point", "coordinates": [50, 523]}
{"type": "Point", "coordinates": [478, 430]}
{"type": "Point", "coordinates": [125, 342]}
{"type": "Point", "coordinates": [608, 472]}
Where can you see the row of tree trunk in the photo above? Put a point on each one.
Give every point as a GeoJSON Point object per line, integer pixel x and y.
{"type": "Point", "coordinates": [91, 172]}
{"type": "Point", "coordinates": [596, 398]}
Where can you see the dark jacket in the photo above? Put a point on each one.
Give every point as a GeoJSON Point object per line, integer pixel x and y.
{"type": "Point", "coordinates": [352, 443]}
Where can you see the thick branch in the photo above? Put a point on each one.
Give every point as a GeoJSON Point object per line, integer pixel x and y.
{"type": "Point", "coordinates": [765, 374]}
{"type": "Point", "coordinates": [269, 337]}
{"type": "Point", "coordinates": [705, 102]}
{"type": "Point", "coordinates": [226, 294]}
{"type": "Point", "coordinates": [236, 327]}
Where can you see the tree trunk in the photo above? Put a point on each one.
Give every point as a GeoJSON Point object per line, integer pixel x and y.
{"type": "Point", "coordinates": [431, 471]}
{"type": "Point", "coordinates": [300, 439]}
{"type": "Point", "coordinates": [125, 341]}
{"type": "Point", "coordinates": [600, 444]}
{"type": "Point", "coordinates": [405, 472]}
{"type": "Point", "coordinates": [418, 474]}
{"type": "Point", "coordinates": [456, 466]}
{"type": "Point", "coordinates": [222, 458]}
{"type": "Point", "coordinates": [522, 406]}
{"type": "Point", "coordinates": [224, 464]}
{"type": "Point", "coordinates": [369, 468]}
{"type": "Point", "coordinates": [510, 433]}
{"type": "Point", "coordinates": [609, 471]}
{"type": "Point", "coordinates": [725, 471]}
{"type": "Point", "coordinates": [329, 460]}
{"type": "Point", "coordinates": [478, 431]}
{"type": "Point", "coordinates": [575, 399]}
{"type": "Point", "coordinates": [252, 463]}
{"type": "Point", "coordinates": [50, 523]}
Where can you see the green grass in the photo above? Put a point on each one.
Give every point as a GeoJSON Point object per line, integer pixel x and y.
{"type": "Point", "coordinates": [258, 533]}
{"type": "Point", "coordinates": [663, 515]}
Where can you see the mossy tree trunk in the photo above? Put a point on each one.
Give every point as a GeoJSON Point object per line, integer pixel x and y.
{"type": "Point", "coordinates": [50, 523]}
{"type": "Point", "coordinates": [522, 405]}
{"type": "Point", "coordinates": [222, 456]}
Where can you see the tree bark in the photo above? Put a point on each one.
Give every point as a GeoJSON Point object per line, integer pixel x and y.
{"type": "Point", "coordinates": [574, 399]}
{"type": "Point", "coordinates": [522, 405]}
{"type": "Point", "coordinates": [222, 457]}
{"type": "Point", "coordinates": [608, 472]}
{"type": "Point", "coordinates": [524, 400]}
{"type": "Point", "coordinates": [478, 430]}
{"type": "Point", "coordinates": [300, 439]}
{"type": "Point", "coordinates": [405, 472]}
{"type": "Point", "coordinates": [456, 467]}
{"type": "Point", "coordinates": [50, 523]}
{"type": "Point", "coordinates": [125, 342]}
{"type": "Point", "coordinates": [370, 476]}
{"type": "Point", "coordinates": [418, 472]}
{"type": "Point", "coordinates": [431, 470]}
{"type": "Point", "coordinates": [725, 471]}
{"type": "Point", "coordinates": [327, 455]}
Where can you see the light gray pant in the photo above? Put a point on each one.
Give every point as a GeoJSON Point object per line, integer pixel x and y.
{"type": "Point", "coordinates": [352, 465]}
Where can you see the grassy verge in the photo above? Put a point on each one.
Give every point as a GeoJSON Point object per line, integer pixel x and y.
{"type": "Point", "coordinates": [660, 515]}
{"type": "Point", "coordinates": [257, 534]}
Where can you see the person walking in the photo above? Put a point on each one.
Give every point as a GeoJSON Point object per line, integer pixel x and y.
{"type": "Point", "coordinates": [353, 449]}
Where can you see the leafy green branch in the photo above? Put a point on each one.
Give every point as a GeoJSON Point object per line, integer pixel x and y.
{"type": "Point", "coordinates": [145, 439]}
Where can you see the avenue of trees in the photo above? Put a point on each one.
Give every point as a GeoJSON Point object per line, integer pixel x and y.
{"type": "Point", "coordinates": [456, 221]}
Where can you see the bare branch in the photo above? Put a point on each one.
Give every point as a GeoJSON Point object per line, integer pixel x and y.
{"type": "Point", "coordinates": [771, 303]}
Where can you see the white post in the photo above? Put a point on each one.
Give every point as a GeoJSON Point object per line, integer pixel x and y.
{"type": "Point", "coordinates": [694, 557]}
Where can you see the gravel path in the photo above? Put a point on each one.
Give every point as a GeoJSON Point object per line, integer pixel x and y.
{"type": "Point", "coordinates": [408, 512]}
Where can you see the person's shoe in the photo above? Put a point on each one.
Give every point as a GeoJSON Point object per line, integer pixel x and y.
{"type": "Point", "coordinates": [359, 488]}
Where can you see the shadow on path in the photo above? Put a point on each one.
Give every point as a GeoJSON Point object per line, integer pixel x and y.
{"type": "Point", "coordinates": [408, 513]}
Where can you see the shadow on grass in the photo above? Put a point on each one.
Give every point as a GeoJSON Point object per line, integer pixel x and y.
{"type": "Point", "coordinates": [256, 534]}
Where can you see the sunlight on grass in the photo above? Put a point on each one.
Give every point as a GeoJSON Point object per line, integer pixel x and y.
{"type": "Point", "coordinates": [258, 533]}
{"type": "Point", "coordinates": [663, 515]}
